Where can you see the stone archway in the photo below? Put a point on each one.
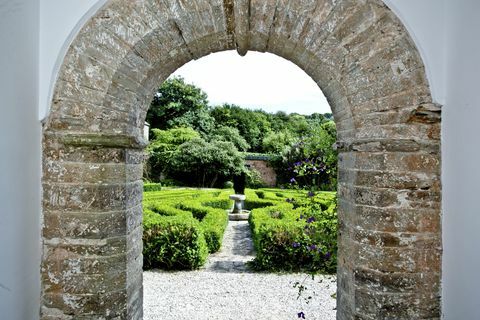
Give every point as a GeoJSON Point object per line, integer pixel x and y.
{"type": "Point", "coordinates": [388, 136]}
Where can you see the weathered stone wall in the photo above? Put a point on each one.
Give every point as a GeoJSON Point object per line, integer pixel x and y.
{"type": "Point", "coordinates": [388, 138]}
{"type": "Point", "coordinates": [267, 174]}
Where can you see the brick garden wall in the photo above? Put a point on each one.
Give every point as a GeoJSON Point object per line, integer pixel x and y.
{"type": "Point", "coordinates": [267, 173]}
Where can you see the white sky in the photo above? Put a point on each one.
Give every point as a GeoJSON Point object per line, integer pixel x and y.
{"type": "Point", "coordinates": [258, 80]}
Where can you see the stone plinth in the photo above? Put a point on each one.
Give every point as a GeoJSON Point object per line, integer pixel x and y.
{"type": "Point", "coordinates": [237, 213]}
{"type": "Point", "coordinates": [238, 198]}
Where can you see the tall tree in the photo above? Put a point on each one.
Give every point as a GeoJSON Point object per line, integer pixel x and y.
{"type": "Point", "coordinates": [252, 125]}
{"type": "Point", "coordinates": [162, 147]}
{"type": "Point", "coordinates": [177, 103]}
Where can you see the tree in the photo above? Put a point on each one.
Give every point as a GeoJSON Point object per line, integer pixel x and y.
{"type": "Point", "coordinates": [178, 103]}
{"type": "Point", "coordinates": [204, 164]}
{"type": "Point", "coordinates": [277, 142]}
{"type": "Point", "coordinates": [230, 134]}
{"type": "Point", "coordinates": [252, 125]}
{"type": "Point", "coordinates": [162, 147]}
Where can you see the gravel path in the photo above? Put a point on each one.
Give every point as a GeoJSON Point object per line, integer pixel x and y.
{"type": "Point", "coordinates": [225, 289]}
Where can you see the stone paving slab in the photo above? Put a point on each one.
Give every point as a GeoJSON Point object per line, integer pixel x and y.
{"type": "Point", "coordinates": [237, 249]}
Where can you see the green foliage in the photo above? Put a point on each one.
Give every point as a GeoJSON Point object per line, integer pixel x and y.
{"type": "Point", "coordinates": [168, 140]}
{"type": "Point", "coordinates": [213, 222]}
{"type": "Point", "coordinates": [172, 242]}
{"type": "Point", "coordinates": [299, 146]}
{"type": "Point", "coordinates": [228, 185]}
{"type": "Point", "coordinates": [254, 179]}
{"type": "Point", "coordinates": [276, 142]}
{"type": "Point", "coordinates": [162, 146]}
{"type": "Point", "coordinates": [299, 235]}
{"type": "Point", "coordinates": [230, 135]}
{"type": "Point", "coordinates": [205, 163]}
{"type": "Point", "coordinates": [181, 227]}
{"type": "Point", "coordinates": [252, 125]}
{"type": "Point", "coordinates": [218, 203]}
{"type": "Point", "coordinates": [311, 162]}
{"type": "Point", "coordinates": [260, 194]}
{"type": "Point", "coordinates": [149, 186]}
{"type": "Point", "coordinates": [177, 102]}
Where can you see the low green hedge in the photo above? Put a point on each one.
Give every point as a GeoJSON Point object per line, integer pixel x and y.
{"type": "Point", "coordinates": [298, 235]}
{"type": "Point", "coordinates": [180, 231]}
{"type": "Point", "coordinates": [172, 242]}
{"type": "Point", "coordinates": [213, 222]}
{"type": "Point", "coordinates": [149, 187]}
{"type": "Point", "coordinates": [274, 231]}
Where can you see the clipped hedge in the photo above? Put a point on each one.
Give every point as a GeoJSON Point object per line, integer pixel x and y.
{"type": "Point", "coordinates": [285, 241]}
{"type": "Point", "coordinates": [182, 227]}
{"type": "Point", "coordinates": [149, 187]}
{"type": "Point", "coordinates": [213, 222]}
{"type": "Point", "coordinates": [172, 242]}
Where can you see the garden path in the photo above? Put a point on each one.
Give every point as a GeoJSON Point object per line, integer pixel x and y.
{"type": "Point", "coordinates": [237, 249]}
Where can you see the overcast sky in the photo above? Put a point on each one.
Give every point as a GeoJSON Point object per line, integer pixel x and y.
{"type": "Point", "coordinates": [258, 80]}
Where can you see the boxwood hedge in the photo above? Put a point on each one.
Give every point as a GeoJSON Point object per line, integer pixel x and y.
{"type": "Point", "coordinates": [181, 228]}
{"type": "Point", "coordinates": [172, 242]}
{"type": "Point", "coordinates": [298, 235]}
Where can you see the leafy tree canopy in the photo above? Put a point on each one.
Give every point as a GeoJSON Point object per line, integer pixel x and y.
{"type": "Point", "coordinates": [162, 146]}
{"type": "Point", "coordinates": [232, 135]}
{"type": "Point", "coordinates": [252, 125]}
{"type": "Point", "coordinates": [173, 100]}
{"type": "Point", "coordinates": [206, 163]}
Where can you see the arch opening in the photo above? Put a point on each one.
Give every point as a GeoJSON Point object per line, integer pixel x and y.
{"type": "Point", "coordinates": [388, 138]}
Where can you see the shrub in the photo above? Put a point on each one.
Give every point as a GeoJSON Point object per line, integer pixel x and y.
{"type": "Point", "coordinates": [299, 235]}
{"type": "Point", "coordinates": [259, 203]}
{"type": "Point", "coordinates": [213, 222]}
{"type": "Point", "coordinates": [260, 194]}
{"type": "Point", "coordinates": [182, 225]}
{"type": "Point", "coordinates": [254, 179]}
{"type": "Point", "coordinates": [149, 187]}
{"type": "Point", "coordinates": [224, 204]}
{"type": "Point", "coordinates": [165, 209]}
{"type": "Point", "coordinates": [179, 225]}
{"type": "Point", "coordinates": [172, 242]}
{"type": "Point", "coordinates": [228, 185]}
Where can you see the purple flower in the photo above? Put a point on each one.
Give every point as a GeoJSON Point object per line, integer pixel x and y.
{"type": "Point", "coordinates": [295, 244]}
{"type": "Point", "coordinates": [301, 315]}
{"type": "Point", "coordinates": [293, 180]}
{"type": "Point", "coordinates": [311, 194]}
{"type": "Point", "coordinates": [312, 247]}
{"type": "Point", "coordinates": [310, 220]}
{"type": "Point", "coordinates": [327, 255]}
